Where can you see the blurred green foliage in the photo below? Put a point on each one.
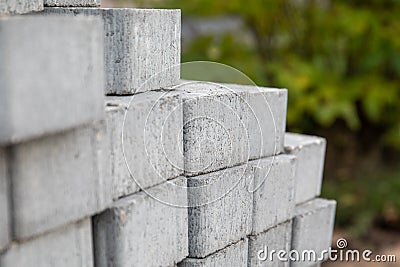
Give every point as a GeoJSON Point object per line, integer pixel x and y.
{"type": "Point", "coordinates": [364, 200]}
{"type": "Point", "coordinates": [339, 59]}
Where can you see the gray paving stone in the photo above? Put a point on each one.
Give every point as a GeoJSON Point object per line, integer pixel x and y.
{"type": "Point", "coordinates": [273, 187]}
{"type": "Point", "coordinates": [142, 47]}
{"type": "Point", "coordinates": [72, 3]}
{"type": "Point", "coordinates": [266, 120]}
{"type": "Point", "coordinates": [70, 246]}
{"type": "Point", "coordinates": [59, 179]}
{"type": "Point", "coordinates": [20, 6]}
{"type": "Point", "coordinates": [226, 125]}
{"type": "Point", "coordinates": [144, 229]}
{"type": "Point", "coordinates": [313, 228]}
{"type": "Point", "coordinates": [310, 153]}
{"type": "Point", "coordinates": [51, 75]}
{"type": "Point", "coordinates": [233, 255]}
{"type": "Point", "coordinates": [4, 202]}
{"type": "Point", "coordinates": [220, 210]}
{"type": "Point", "coordinates": [152, 143]}
{"type": "Point", "coordinates": [276, 239]}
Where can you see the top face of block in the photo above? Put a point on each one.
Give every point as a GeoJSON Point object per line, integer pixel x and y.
{"type": "Point", "coordinates": [145, 132]}
{"type": "Point", "coordinates": [20, 6]}
{"type": "Point", "coordinates": [226, 124]}
{"type": "Point", "coordinates": [314, 206]}
{"type": "Point", "coordinates": [310, 152]}
{"type": "Point", "coordinates": [71, 3]}
{"type": "Point", "coordinates": [142, 47]}
{"type": "Point", "coordinates": [295, 141]}
{"type": "Point", "coordinates": [51, 75]}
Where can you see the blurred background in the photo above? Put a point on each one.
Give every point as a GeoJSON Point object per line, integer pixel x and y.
{"type": "Point", "coordinates": [340, 61]}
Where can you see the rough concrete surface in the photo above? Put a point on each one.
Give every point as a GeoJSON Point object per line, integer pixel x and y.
{"type": "Point", "coordinates": [72, 3]}
{"type": "Point", "coordinates": [142, 47]}
{"type": "Point", "coordinates": [221, 124]}
{"type": "Point", "coordinates": [49, 84]}
{"type": "Point", "coordinates": [58, 179]}
{"type": "Point", "coordinates": [310, 153]}
{"type": "Point", "coordinates": [273, 201]}
{"type": "Point", "coordinates": [220, 210]}
{"type": "Point", "coordinates": [20, 6]}
{"type": "Point", "coordinates": [313, 227]}
{"type": "Point", "coordinates": [69, 246]}
{"type": "Point", "coordinates": [4, 201]}
{"type": "Point", "coordinates": [276, 238]}
{"type": "Point", "coordinates": [266, 108]}
{"type": "Point", "coordinates": [139, 230]}
{"type": "Point", "coordinates": [152, 140]}
{"type": "Point", "coordinates": [233, 255]}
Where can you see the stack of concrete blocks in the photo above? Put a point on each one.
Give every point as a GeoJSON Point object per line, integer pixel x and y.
{"type": "Point", "coordinates": [248, 182]}
{"type": "Point", "coordinates": [173, 172]}
{"type": "Point", "coordinates": [147, 223]}
{"type": "Point", "coordinates": [53, 149]}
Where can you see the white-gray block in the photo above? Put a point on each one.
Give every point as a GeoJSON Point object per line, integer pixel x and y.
{"type": "Point", "coordinates": [69, 246]}
{"type": "Point", "coordinates": [4, 201]}
{"type": "Point", "coordinates": [233, 255]}
{"type": "Point", "coordinates": [310, 153]}
{"type": "Point", "coordinates": [59, 179]}
{"type": "Point", "coordinates": [151, 149]}
{"type": "Point", "coordinates": [51, 75]}
{"type": "Point", "coordinates": [313, 228]}
{"type": "Point", "coordinates": [276, 239]}
{"type": "Point", "coordinates": [273, 187]}
{"type": "Point", "coordinates": [145, 229]}
{"type": "Point", "coordinates": [72, 3]}
{"type": "Point", "coordinates": [226, 125]}
{"type": "Point", "coordinates": [20, 6]}
{"type": "Point", "coordinates": [220, 210]}
{"type": "Point", "coordinates": [142, 47]}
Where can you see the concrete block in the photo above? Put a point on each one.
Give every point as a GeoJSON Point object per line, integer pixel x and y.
{"type": "Point", "coordinates": [273, 187]}
{"type": "Point", "coordinates": [20, 6]}
{"type": "Point", "coordinates": [313, 228]}
{"type": "Point", "coordinates": [142, 47]}
{"type": "Point", "coordinates": [266, 120]}
{"type": "Point", "coordinates": [72, 3]}
{"type": "Point", "coordinates": [310, 153]}
{"type": "Point", "coordinates": [220, 210]}
{"type": "Point", "coordinates": [4, 201]}
{"type": "Point", "coordinates": [151, 149]}
{"type": "Point", "coordinates": [69, 246]}
{"type": "Point", "coordinates": [51, 75]}
{"type": "Point", "coordinates": [59, 179]}
{"type": "Point", "coordinates": [276, 239]}
{"type": "Point", "coordinates": [226, 125]}
{"type": "Point", "coordinates": [233, 255]}
{"type": "Point", "coordinates": [144, 229]}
